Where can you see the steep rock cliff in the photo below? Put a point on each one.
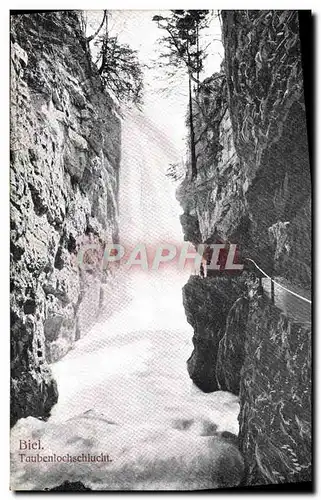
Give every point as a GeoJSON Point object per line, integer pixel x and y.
{"type": "Point", "coordinates": [253, 160]}
{"type": "Point", "coordinates": [212, 201]}
{"type": "Point", "coordinates": [230, 352]}
{"type": "Point", "coordinates": [265, 88]}
{"type": "Point", "coordinates": [275, 397]}
{"type": "Point", "coordinates": [65, 154]}
{"type": "Point", "coordinates": [253, 188]}
{"type": "Point", "coordinates": [207, 303]}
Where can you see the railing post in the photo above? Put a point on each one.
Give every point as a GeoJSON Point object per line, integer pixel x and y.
{"type": "Point", "coordinates": [260, 287]}
{"type": "Point", "coordinates": [272, 292]}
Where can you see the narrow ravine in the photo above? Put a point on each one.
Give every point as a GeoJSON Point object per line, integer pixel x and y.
{"type": "Point", "coordinates": [136, 135]}
{"type": "Point", "coordinates": [124, 388]}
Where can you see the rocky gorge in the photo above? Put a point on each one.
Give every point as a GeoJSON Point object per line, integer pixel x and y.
{"type": "Point", "coordinates": [74, 161]}
{"type": "Point", "coordinates": [253, 188]}
{"type": "Point", "coordinates": [65, 154]}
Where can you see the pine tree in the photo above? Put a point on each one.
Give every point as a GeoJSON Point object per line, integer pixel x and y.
{"type": "Point", "coordinates": [120, 69]}
{"type": "Point", "coordinates": [182, 44]}
{"type": "Point", "coordinates": [118, 65]}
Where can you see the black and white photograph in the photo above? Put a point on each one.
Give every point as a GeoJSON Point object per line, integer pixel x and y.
{"type": "Point", "coordinates": [160, 250]}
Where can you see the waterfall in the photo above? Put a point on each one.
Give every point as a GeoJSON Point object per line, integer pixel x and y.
{"type": "Point", "coordinates": [149, 211]}
{"type": "Point", "coordinates": [124, 389]}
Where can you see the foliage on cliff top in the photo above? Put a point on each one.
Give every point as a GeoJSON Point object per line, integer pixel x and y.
{"type": "Point", "coordinates": [182, 49]}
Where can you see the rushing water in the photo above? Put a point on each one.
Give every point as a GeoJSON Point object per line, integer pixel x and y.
{"type": "Point", "coordinates": [124, 388]}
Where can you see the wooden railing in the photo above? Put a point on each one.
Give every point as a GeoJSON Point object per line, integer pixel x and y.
{"type": "Point", "coordinates": [273, 282]}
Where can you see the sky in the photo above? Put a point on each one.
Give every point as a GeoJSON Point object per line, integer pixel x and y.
{"type": "Point", "coordinates": [165, 104]}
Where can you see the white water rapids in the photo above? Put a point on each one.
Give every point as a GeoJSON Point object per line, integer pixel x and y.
{"type": "Point", "coordinates": [124, 389]}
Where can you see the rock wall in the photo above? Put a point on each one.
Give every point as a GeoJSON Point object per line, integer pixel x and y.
{"type": "Point", "coordinates": [208, 199]}
{"type": "Point", "coordinates": [275, 397]}
{"type": "Point", "coordinates": [65, 155]}
{"type": "Point", "coordinates": [253, 188]}
{"type": "Point", "coordinates": [231, 352]}
{"type": "Point", "coordinates": [265, 87]}
{"type": "Point", "coordinates": [207, 303]}
{"type": "Point", "coordinates": [253, 160]}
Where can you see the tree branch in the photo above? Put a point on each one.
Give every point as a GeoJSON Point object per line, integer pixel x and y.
{"type": "Point", "coordinates": [90, 38]}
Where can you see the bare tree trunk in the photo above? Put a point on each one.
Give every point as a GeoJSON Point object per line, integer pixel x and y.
{"type": "Point", "coordinates": [104, 46]}
{"type": "Point", "coordinates": [90, 38]}
{"type": "Point", "coordinates": [198, 59]}
{"type": "Point", "coordinates": [192, 133]}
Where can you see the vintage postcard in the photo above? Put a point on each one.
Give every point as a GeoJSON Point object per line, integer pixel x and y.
{"type": "Point", "coordinates": [160, 250]}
